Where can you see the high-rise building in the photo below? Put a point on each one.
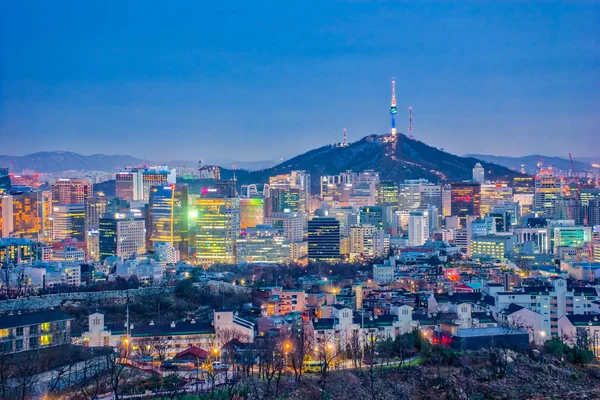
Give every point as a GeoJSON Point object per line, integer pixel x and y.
{"type": "Point", "coordinates": [263, 244]}
{"type": "Point", "coordinates": [68, 221]}
{"type": "Point", "coordinates": [5, 184]}
{"type": "Point", "coordinates": [122, 235]}
{"type": "Point", "coordinates": [494, 193]}
{"type": "Point", "coordinates": [6, 215]}
{"type": "Point", "coordinates": [252, 212]}
{"type": "Point", "coordinates": [349, 186]}
{"type": "Point", "coordinates": [548, 192]}
{"type": "Point", "coordinates": [366, 241]}
{"type": "Point", "coordinates": [291, 223]}
{"type": "Point", "coordinates": [297, 182]}
{"type": "Point", "coordinates": [286, 200]}
{"type": "Point", "coordinates": [466, 199]}
{"type": "Point", "coordinates": [347, 216]}
{"type": "Point", "coordinates": [409, 197]}
{"type": "Point", "coordinates": [71, 191]}
{"type": "Point", "coordinates": [571, 236]}
{"type": "Point", "coordinates": [593, 212]}
{"type": "Point", "coordinates": [573, 209]}
{"type": "Point", "coordinates": [478, 173]}
{"type": "Point", "coordinates": [386, 193]}
{"type": "Point", "coordinates": [135, 183]}
{"type": "Point", "coordinates": [168, 213]}
{"type": "Point", "coordinates": [217, 228]}
{"type": "Point", "coordinates": [371, 216]}
{"type": "Point", "coordinates": [323, 239]}
{"type": "Point", "coordinates": [28, 215]}
{"type": "Point", "coordinates": [418, 228]}
{"type": "Point", "coordinates": [95, 207]}
{"type": "Point", "coordinates": [431, 195]}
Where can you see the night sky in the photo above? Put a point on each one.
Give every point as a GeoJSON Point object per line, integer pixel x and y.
{"type": "Point", "coordinates": [262, 80]}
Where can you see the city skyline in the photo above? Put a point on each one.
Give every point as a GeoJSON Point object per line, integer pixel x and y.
{"type": "Point", "coordinates": [294, 79]}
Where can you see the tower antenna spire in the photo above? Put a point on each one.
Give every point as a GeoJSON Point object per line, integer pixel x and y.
{"type": "Point", "coordinates": [393, 107]}
{"type": "Point", "coordinates": [345, 137]}
{"type": "Point", "coordinates": [410, 134]}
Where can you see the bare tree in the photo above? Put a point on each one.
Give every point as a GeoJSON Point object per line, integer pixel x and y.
{"type": "Point", "coordinates": [118, 373]}
{"type": "Point", "coordinates": [327, 352]}
{"type": "Point", "coordinates": [6, 373]}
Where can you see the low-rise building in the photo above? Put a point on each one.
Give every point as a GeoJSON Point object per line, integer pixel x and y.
{"type": "Point", "coordinates": [34, 331]}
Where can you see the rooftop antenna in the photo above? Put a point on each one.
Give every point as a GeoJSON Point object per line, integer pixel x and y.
{"type": "Point", "coordinates": [410, 135]}
{"type": "Point", "coordinates": [344, 136]}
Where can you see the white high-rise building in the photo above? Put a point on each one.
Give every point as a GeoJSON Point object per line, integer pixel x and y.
{"type": "Point", "coordinates": [478, 173]}
{"type": "Point", "coordinates": [418, 228]}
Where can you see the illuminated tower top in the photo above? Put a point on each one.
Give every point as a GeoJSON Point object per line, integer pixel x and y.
{"type": "Point", "coordinates": [393, 108]}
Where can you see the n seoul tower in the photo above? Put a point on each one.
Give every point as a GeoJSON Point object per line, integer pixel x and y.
{"type": "Point", "coordinates": [393, 108]}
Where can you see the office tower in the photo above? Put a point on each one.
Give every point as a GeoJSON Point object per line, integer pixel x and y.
{"type": "Point", "coordinates": [217, 228]}
{"type": "Point", "coordinates": [5, 184]}
{"type": "Point", "coordinates": [293, 229]}
{"type": "Point", "coordinates": [168, 213]}
{"type": "Point", "coordinates": [71, 191]}
{"type": "Point", "coordinates": [386, 193]}
{"type": "Point", "coordinates": [465, 200]}
{"type": "Point", "coordinates": [409, 197]}
{"type": "Point", "coordinates": [347, 216]}
{"type": "Point", "coordinates": [68, 221]}
{"type": "Point", "coordinates": [349, 186]}
{"type": "Point", "coordinates": [30, 181]}
{"type": "Point", "coordinates": [95, 207]}
{"type": "Point", "coordinates": [263, 244]}
{"type": "Point", "coordinates": [478, 173]}
{"type": "Point", "coordinates": [135, 183]}
{"type": "Point", "coordinates": [593, 212]}
{"type": "Point", "coordinates": [548, 192]}
{"type": "Point", "coordinates": [323, 239]}
{"type": "Point", "coordinates": [6, 215]}
{"type": "Point", "coordinates": [121, 235]}
{"type": "Point", "coordinates": [366, 241]}
{"type": "Point", "coordinates": [291, 223]}
{"type": "Point", "coordinates": [364, 187]}
{"type": "Point", "coordinates": [16, 251]}
{"type": "Point", "coordinates": [297, 184]}
{"type": "Point", "coordinates": [573, 209]}
{"type": "Point", "coordinates": [431, 195]}
{"type": "Point", "coordinates": [446, 201]}
{"type": "Point", "coordinates": [587, 194]}
{"type": "Point", "coordinates": [571, 236]}
{"type": "Point", "coordinates": [286, 200]}
{"type": "Point", "coordinates": [492, 194]}
{"type": "Point", "coordinates": [510, 212]}
{"type": "Point", "coordinates": [28, 215]}
{"type": "Point", "coordinates": [252, 212]}
{"type": "Point", "coordinates": [371, 216]}
{"type": "Point", "coordinates": [418, 228]}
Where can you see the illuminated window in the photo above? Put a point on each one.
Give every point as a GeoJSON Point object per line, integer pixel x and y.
{"type": "Point", "coordinates": [3, 332]}
{"type": "Point", "coordinates": [45, 340]}
{"type": "Point", "coordinates": [45, 327]}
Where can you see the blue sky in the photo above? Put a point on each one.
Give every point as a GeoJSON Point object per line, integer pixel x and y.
{"type": "Point", "coordinates": [263, 80]}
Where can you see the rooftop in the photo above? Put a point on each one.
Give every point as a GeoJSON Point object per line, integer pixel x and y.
{"type": "Point", "coordinates": [13, 321]}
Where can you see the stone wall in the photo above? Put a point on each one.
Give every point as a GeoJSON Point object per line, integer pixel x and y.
{"type": "Point", "coordinates": [55, 300]}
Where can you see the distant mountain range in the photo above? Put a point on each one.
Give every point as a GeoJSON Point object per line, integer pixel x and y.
{"type": "Point", "coordinates": [58, 161]}
{"type": "Point", "coordinates": [530, 162]}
